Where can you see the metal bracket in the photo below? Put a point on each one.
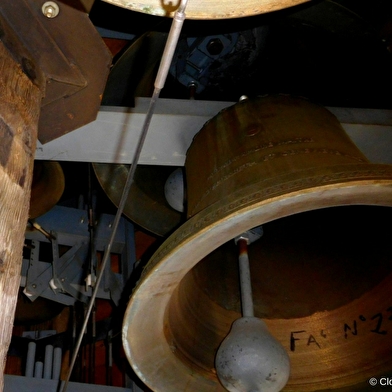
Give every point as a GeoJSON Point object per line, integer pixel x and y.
{"type": "Point", "coordinates": [61, 275]}
{"type": "Point", "coordinates": [195, 56]}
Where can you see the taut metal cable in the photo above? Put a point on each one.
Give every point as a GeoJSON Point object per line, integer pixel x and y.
{"type": "Point", "coordinates": [159, 83]}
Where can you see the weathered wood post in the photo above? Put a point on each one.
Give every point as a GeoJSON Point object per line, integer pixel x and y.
{"type": "Point", "coordinates": [51, 83]}
{"type": "Point", "coordinates": [20, 102]}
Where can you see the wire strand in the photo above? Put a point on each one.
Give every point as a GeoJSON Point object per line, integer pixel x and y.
{"type": "Point", "coordinates": [161, 76]}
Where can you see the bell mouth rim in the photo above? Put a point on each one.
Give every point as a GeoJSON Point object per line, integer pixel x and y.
{"type": "Point", "coordinates": [265, 201]}
{"type": "Point", "coordinates": [199, 11]}
{"type": "Point", "coordinates": [112, 177]}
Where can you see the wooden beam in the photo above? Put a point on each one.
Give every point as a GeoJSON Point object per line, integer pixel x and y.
{"type": "Point", "coordinates": [19, 111]}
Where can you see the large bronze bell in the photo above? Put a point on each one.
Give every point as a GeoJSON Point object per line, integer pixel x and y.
{"type": "Point", "coordinates": [321, 274]}
{"type": "Point", "coordinates": [47, 187]}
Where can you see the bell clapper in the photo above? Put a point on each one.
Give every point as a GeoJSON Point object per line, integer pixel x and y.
{"type": "Point", "coordinates": [250, 359]}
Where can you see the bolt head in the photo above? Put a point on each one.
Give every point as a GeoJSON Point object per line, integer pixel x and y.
{"type": "Point", "coordinates": [50, 9]}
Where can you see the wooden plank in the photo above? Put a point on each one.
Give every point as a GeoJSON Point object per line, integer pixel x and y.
{"type": "Point", "coordinates": [19, 111]}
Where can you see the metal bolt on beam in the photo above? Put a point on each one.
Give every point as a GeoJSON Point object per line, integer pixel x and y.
{"type": "Point", "coordinates": [50, 9]}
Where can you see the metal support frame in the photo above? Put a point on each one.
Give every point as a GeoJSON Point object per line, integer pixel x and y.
{"type": "Point", "coordinates": [112, 137]}
{"type": "Point", "coordinates": [23, 384]}
{"type": "Point", "coordinates": [63, 279]}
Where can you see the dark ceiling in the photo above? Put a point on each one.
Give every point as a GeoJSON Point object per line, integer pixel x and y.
{"type": "Point", "coordinates": [337, 53]}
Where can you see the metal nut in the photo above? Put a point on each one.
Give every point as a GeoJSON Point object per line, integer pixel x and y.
{"type": "Point", "coordinates": [50, 9]}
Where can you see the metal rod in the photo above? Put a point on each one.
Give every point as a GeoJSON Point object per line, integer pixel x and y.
{"type": "Point", "coordinates": [110, 358]}
{"type": "Point", "coordinates": [245, 282]}
{"type": "Point", "coordinates": [48, 363]}
{"type": "Point", "coordinates": [38, 227]}
{"type": "Point", "coordinates": [91, 224]}
{"type": "Point", "coordinates": [163, 70]}
{"type": "Point", "coordinates": [39, 366]}
{"type": "Point", "coordinates": [170, 46]}
{"type": "Point", "coordinates": [57, 358]}
{"type": "Point", "coordinates": [92, 345]}
{"type": "Point", "coordinates": [29, 372]}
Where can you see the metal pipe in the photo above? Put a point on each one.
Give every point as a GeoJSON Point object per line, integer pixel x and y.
{"type": "Point", "coordinates": [31, 348]}
{"type": "Point", "coordinates": [92, 345]}
{"type": "Point", "coordinates": [57, 359]}
{"type": "Point", "coordinates": [172, 39]}
{"type": "Point", "coordinates": [110, 358]}
{"type": "Point", "coordinates": [48, 363]}
{"type": "Point", "coordinates": [38, 369]}
{"type": "Point", "coordinates": [91, 228]}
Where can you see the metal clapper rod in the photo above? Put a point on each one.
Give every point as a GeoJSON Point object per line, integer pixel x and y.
{"type": "Point", "coordinates": [242, 242]}
{"type": "Point", "coordinates": [250, 358]}
{"type": "Point", "coordinates": [163, 70]}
